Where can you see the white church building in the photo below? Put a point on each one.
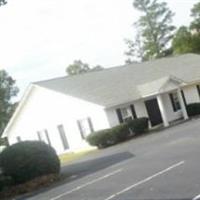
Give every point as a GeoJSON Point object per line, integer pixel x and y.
{"type": "Point", "coordinates": [63, 111]}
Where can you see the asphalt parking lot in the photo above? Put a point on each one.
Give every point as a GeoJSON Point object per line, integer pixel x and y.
{"type": "Point", "coordinates": [162, 165]}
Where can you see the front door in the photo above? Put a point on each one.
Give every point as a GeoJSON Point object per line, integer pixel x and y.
{"type": "Point", "coordinates": [153, 112]}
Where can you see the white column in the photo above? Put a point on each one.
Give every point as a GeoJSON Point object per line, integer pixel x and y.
{"type": "Point", "coordinates": [162, 110]}
{"type": "Point", "coordinates": [182, 104]}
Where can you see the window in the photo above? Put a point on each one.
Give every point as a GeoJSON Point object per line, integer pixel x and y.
{"type": "Point", "coordinates": [63, 137]}
{"type": "Point", "coordinates": [175, 101]}
{"type": "Point", "coordinates": [47, 137]}
{"type": "Point", "coordinates": [39, 135]}
{"type": "Point", "coordinates": [198, 89]}
{"type": "Point", "coordinates": [44, 136]}
{"type": "Point", "coordinates": [85, 127]}
{"type": "Point", "coordinates": [133, 111]}
{"type": "Point", "coordinates": [119, 115]}
{"type": "Point", "coordinates": [183, 96]}
{"type": "Point", "coordinates": [126, 114]}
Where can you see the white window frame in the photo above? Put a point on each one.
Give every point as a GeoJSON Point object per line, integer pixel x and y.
{"type": "Point", "coordinates": [126, 113]}
{"type": "Point", "coordinates": [44, 136]}
{"type": "Point", "coordinates": [84, 127]}
{"type": "Point", "coordinates": [63, 137]}
{"type": "Point", "coordinates": [176, 103]}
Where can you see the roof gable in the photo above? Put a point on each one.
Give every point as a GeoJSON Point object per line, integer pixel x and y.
{"type": "Point", "coordinates": [171, 84]}
{"type": "Point", "coordinates": [161, 85]}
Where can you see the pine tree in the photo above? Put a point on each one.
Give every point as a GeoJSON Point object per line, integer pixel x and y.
{"type": "Point", "coordinates": [154, 28]}
{"type": "Point", "coordinates": [7, 91]}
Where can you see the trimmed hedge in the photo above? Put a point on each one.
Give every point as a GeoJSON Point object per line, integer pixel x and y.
{"type": "Point", "coordinates": [27, 160]}
{"type": "Point", "coordinates": [5, 181]}
{"type": "Point", "coordinates": [108, 137]}
{"type": "Point", "coordinates": [122, 132]}
{"type": "Point", "coordinates": [101, 138]}
{"type": "Point", "coordinates": [139, 125]}
{"type": "Point", "coordinates": [193, 109]}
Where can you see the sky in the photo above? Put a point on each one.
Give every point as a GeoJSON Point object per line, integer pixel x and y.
{"type": "Point", "coordinates": [40, 38]}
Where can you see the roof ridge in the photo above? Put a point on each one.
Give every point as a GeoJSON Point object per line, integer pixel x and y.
{"type": "Point", "coordinates": [113, 68]}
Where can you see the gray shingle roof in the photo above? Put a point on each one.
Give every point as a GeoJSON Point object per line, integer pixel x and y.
{"type": "Point", "coordinates": [119, 85]}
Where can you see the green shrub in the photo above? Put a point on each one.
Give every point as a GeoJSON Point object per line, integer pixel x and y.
{"type": "Point", "coordinates": [27, 160]}
{"type": "Point", "coordinates": [101, 138]}
{"type": "Point", "coordinates": [121, 132]}
{"type": "Point", "coordinates": [5, 181]}
{"type": "Point", "coordinates": [108, 137]}
{"type": "Point", "coordinates": [193, 109]}
{"type": "Point", "coordinates": [139, 125]}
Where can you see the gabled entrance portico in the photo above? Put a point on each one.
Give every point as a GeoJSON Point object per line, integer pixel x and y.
{"type": "Point", "coordinates": [158, 104]}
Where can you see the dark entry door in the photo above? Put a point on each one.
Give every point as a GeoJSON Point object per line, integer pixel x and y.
{"type": "Point", "coordinates": [153, 112]}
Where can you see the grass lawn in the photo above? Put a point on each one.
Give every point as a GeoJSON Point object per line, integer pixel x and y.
{"type": "Point", "coordinates": [69, 157]}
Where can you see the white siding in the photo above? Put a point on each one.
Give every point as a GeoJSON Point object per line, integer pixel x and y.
{"type": "Point", "coordinates": [140, 110]}
{"type": "Point", "coordinates": [191, 94]}
{"type": "Point", "coordinates": [45, 109]}
{"type": "Point", "coordinates": [112, 117]}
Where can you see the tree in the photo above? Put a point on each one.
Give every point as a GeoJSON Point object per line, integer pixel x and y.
{"type": "Point", "coordinates": [7, 91]}
{"type": "Point", "coordinates": [135, 50]}
{"type": "Point", "coordinates": [3, 2]}
{"type": "Point", "coordinates": [186, 41]}
{"type": "Point", "coordinates": [154, 29]}
{"type": "Point", "coordinates": [196, 43]}
{"type": "Point", "coordinates": [78, 67]}
{"type": "Point", "coordinates": [182, 41]}
{"type": "Point", "coordinates": [195, 13]}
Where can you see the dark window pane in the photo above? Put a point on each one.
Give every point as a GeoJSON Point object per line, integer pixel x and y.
{"type": "Point", "coordinates": [133, 111]}
{"type": "Point", "coordinates": [198, 89]}
{"type": "Point", "coordinates": [85, 127]}
{"type": "Point", "coordinates": [119, 115]}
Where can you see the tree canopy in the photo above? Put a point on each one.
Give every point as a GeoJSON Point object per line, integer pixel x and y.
{"type": "Point", "coordinates": [182, 42]}
{"type": "Point", "coordinates": [195, 14]}
{"type": "Point", "coordinates": [3, 2]}
{"type": "Point", "coordinates": [7, 91]}
{"type": "Point", "coordinates": [187, 39]}
{"type": "Point", "coordinates": [135, 49]}
{"type": "Point", "coordinates": [79, 67]}
{"type": "Point", "coordinates": [155, 30]}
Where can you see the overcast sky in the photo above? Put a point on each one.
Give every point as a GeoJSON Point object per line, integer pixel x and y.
{"type": "Point", "coordinates": [40, 38]}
